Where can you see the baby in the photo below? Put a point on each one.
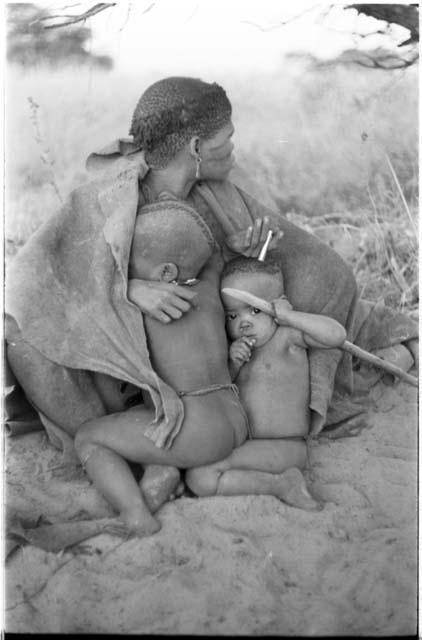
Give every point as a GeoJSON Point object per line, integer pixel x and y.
{"type": "Point", "coordinates": [268, 360]}
{"type": "Point", "coordinates": [268, 356]}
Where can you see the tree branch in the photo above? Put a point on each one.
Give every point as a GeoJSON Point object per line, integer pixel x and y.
{"type": "Point", "coordinates": [81, 17]}
{"type": "Point", "coordinates": [280, 24]}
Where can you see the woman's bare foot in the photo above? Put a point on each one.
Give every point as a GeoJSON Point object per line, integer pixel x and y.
{"type": "Point", "coordinates": [140, 522]}
{"type": "Point", "coordinates": [293, 491]}
{"type": "Point", "coordinates": [159, 484]}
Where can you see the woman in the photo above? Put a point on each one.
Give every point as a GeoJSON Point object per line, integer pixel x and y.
{"type": "Point", "coordinates": [74, 322]}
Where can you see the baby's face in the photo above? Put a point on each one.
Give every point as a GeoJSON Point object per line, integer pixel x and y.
{"type": "Point", "coordinates": [243, 320]}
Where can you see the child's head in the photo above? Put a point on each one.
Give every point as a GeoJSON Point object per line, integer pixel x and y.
{"type": "Point", "coordinates": [262, 279]}
{"type": "Point", "coordinates": [171, 242]}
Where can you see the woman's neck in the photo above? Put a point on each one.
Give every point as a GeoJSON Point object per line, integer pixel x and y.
{"type": "Point", "coordinates": [169, 180]}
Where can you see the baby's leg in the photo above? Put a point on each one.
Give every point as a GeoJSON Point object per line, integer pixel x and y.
{"type": "Point", "coordinates": [159, 484]}
{"type": "Point", "coordinates": [103, 446]}
{"type": "Point", "coordinates": [258, 467]}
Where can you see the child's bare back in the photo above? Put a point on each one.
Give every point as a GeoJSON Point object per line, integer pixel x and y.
{"type": "Point", "coordinates": [191, 356]}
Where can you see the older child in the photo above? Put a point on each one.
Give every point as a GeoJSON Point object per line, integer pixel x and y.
{"type": "Point", "coordinates": [171, 244]}
{"type": "Point", "coordinates": [269, 362]}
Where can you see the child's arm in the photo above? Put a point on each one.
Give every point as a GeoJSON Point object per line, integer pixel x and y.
{"type": "Point", "coordinates": [240, 351]}
{"type": "Point", "coordinates": [318, 331]}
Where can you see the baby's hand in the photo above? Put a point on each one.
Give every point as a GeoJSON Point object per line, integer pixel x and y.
{"type": "Point", "coordinates": [241, 350]}
{"type": "Point", "coordinates": [282, 307]}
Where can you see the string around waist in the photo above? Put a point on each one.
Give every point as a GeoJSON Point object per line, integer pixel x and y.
{"type": "Point", "coordinates": [210, 389]}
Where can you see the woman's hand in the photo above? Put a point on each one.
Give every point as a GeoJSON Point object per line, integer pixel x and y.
{"type": "Point", "coordinates": [162, 301]}
{"type": "Point", "coordinates": [250, 241]}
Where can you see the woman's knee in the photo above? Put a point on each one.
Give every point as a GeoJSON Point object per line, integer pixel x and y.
{"type": "Point", "coordinates": [203, 481]}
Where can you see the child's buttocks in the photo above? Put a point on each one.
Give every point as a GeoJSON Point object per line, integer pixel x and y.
{"type": "Point", "coordinates": [214, 424]}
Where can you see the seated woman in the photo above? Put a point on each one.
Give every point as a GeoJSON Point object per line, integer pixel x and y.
{"type": "Point", "coordinates": [74, 322]}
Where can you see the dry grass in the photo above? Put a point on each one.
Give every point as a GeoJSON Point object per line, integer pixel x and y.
{"type": "Point", "coordinates": [337, 150]}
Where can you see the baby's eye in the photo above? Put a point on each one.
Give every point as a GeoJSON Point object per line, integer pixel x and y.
{"type": "Point", "coordinates": [231, 316]}
{"type": "Point", "coordinates": [255, 311]}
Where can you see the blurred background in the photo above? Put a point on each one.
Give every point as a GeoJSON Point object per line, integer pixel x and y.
{"type": "Point", "coordinates": [325, 100]}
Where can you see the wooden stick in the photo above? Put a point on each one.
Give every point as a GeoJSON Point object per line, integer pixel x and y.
{"type": "Point", "coordinates": [263, 252]}
{"type": "Point", "coordinates": [351, 348]}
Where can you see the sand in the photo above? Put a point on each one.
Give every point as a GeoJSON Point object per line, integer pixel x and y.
{"type": "Point", "coordinates": [245, 565]}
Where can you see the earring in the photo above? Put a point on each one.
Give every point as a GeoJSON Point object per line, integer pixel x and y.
{"type": "Point", "coordinates": [198, 166]}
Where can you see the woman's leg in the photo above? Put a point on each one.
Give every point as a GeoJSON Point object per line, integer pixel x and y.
{"type": "Point", "coordinates": [67, 397]}
{"type": "Point", "coordinates": [258, 467]}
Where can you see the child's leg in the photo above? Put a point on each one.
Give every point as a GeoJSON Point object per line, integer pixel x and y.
{"type": "Point", "coordinates": [258, 467]}
{"type": "Point", "coordinates": [103, 446]}
{"type": "Point", "coordinates": [114, 479]}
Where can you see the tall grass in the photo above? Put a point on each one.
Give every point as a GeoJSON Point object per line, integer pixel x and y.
{"type": "Point", "coordinates": [336, 150]}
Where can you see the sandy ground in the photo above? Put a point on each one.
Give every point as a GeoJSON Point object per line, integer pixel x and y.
{"type": "Point", "coordinates": [246, 565]}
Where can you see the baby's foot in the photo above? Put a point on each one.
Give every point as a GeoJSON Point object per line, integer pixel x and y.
{"type": "Point", "coordinates": [140, 522]}
{"type": "Point", "coordinates": [159, 484]}
{"type": "Point", "coordinates": [178, 491]}
{"type": "Point", "coordinates": [293, 491]}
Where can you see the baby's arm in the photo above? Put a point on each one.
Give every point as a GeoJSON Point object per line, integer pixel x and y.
{"type": "Point", "coordinates": [240, 351]}
{"type": "Point", "coordinates": [318, 331]}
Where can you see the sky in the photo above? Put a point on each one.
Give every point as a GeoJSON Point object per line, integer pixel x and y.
{"type": "Point", "coordinates": [236, 35]}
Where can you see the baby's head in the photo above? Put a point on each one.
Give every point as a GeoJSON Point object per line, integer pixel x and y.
{"type": "Point", "coordinates": [262, 279]}
{"type": "Point", "coordinates": [171, 242]}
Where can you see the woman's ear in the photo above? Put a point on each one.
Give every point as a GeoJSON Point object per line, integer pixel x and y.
{"type": "Point", "coordinates": [194, 146]}
{"type": "Point", "coordinates": [168, 272]}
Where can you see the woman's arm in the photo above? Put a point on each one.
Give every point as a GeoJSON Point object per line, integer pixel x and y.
{"type": "Point", "coordinates": [249, 242]}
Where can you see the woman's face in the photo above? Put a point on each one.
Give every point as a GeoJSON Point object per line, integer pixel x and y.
{"type": "Point", "coordinates": [217, 154]}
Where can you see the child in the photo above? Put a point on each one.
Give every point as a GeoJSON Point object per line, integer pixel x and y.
{"type": "Point", "coordinates": [268, 360]}
{"type": "Point", "coordinates": [275, 381]}
{"type": "Point", "coordinates": [172, 244]}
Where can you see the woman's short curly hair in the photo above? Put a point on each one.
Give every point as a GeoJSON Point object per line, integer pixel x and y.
{"type": "Point", "coordinates": [173, 110]}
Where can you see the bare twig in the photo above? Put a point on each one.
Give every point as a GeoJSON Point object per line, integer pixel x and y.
{"type": "Point", "coordinates": [283, 22]}
{"type": "Point", "coordinates": [148, 8]}
{"type": "Point", "coordinates": [45, 151]}
{"type": "Point", "coordinates": [397, 62]}
{"type": "Point", "coordinates": [81, 17]}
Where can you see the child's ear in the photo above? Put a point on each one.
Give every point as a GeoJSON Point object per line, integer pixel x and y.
{"type": "Point", "coordinates": [168, 272]}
